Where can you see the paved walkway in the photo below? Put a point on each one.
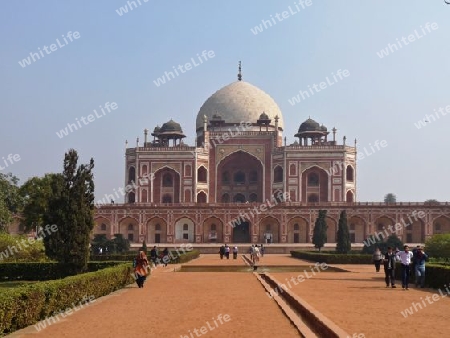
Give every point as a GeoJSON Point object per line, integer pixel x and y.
{"type": "Point", "coordinates": [234, 304]}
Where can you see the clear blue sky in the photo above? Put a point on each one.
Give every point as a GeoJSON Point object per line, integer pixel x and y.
{"type": "Point", "coordinates": [116, 58]}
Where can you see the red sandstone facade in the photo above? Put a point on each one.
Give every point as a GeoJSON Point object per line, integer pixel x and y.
{"type": "Point", "coordinates": [240, 184]}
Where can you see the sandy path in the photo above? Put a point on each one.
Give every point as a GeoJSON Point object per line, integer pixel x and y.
{"type": "Point", "coordinates": [359, 302]}
{"type": "Point", "coordinates": [174, 304]}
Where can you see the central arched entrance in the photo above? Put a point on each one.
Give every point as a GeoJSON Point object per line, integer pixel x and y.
{"type": "Point", "coordinates": [241, 233]}
{"type": "Point", "coordinates": [240, 179]}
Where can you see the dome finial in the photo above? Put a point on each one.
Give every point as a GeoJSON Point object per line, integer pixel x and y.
{"type": "Point", "coordinates": [240, 73]}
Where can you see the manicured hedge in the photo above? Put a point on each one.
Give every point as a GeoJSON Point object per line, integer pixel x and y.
{"type": "Point", "coordinates": [42, 271]}
{"type": "Point", "coordinates": [436, 276]}
{"type": "Point", "coordinates": [124, 257]}
{"type": "Point", "coordinates": [26, 305]}
{"type": "Point", "coordinates": [188, 256]}
{"type": "Point", "coordinates": [333, 258]}
{"type": "Point", "coordinates": [175, 258]}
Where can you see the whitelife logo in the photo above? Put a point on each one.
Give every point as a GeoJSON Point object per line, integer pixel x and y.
{"type": "Point", "coordinates": [391, 48]}
{"type": "Point", "coordinates": [53, 47]}
{"type": "Point", "coordinates": [167, 76]}
{"type": "Point", "coordinates": [71, 127]}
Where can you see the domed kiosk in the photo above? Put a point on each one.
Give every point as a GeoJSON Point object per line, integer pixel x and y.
{"type": "Point", "coordinates": [170, 130]}
{"type": "Point", "coordinates": [313, 131]}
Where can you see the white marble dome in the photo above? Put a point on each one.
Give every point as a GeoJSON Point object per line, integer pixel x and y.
{"type": "Point", "coordinates": [239, 102]}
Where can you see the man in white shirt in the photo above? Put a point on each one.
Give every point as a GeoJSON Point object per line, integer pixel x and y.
{"type": "Point", "coordinates": [405, 258]}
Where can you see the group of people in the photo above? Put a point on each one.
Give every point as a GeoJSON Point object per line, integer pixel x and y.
{"type": "Point", "coordinates": [224, 251]}
{"type": "Point", "coordinates": [255, 252]}
{"type": "Point", "coordinates": [410, 261]}
{"type": "Point", "coordinates": [157, 258]}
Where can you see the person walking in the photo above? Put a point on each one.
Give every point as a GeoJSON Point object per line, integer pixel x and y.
{"type": "Point", "coordinates": [405, 258]}
{"type": "Point", "coordinates": [227, 251]}
{"type": "Point", "coordinates": [154, 255]}
{"type": "Point", "coordinates": [377, 257]}
{"type": "Point", "coordinates": [235, 252]}
{"type": "Point", "coordinates": [252, 253]}
{"type": "Point", "coordinates": [389, 267]}
{"type": "Point", "coordinates": [222, 251]}
{"type": "Point", "coordinates": [256, 253]}
{"type": "Point", "coordinates": [141, 268]}
{"type": "Point", "coordinates": [165, 256]}
{"type": "Point", "coordinates": [419, 266]}
{"type": "Point", "coordinates": [262, 249]}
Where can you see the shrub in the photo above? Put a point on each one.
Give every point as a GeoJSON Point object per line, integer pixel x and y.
{"type": "Point", "coordinates": [438, 246]}
{"type": "Point", "coordinates": [42, 271]}
{"type": "Point", "coordinates": [393, 241]}
{"type": "Point", "coordinates": [45, 299]}
{"type": "Point", "coordinates": [15, 248]}
{"type": "Point", "coordinates": [188, 256]}
{"type": "Point", "coordinates": [436, 276]}
{"type": "Point", "coordinates": [176, 258]}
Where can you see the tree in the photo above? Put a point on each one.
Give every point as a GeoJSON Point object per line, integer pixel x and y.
{"type": "Point", "coordinates": [15, 248]}
{"type": "Point", "coordinates": [320, 230]}
{"type": "Point", "coordinates": [344, 244]}
{"type": "Point", "coordinates": [144, 246]}
{"type": "Point", "coordinates": [120, 244]}
{"type": "Point", "coordinates": [99, 241]}
{"type": "Point", "coordinates": [71, 207]}
{"type": "Point", "coordinates": [438, 246]}
{"type": "Point", "coordinates": [431, 202]}
{"type": "Point", "coordinates": [390, 198]}
{"type": "Point", "coordinates": [10, 200]}
{"type": "Point", "coordinates": [36, 193]}
{"type": "Point", "coordinates": [393, 241]}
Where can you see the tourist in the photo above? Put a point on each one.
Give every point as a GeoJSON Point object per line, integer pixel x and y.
{"type": "Point", "coordinates": [405, 257]}
{"type": "Point", "coordinates": [376, 257]}
{"type": "Point", "coordinates": [227, 251]}
{"type": "Point", "coordinates": [389, 267]}
{"type": "Point", "coordinates": [262, 249]}
{"type": "Point", "coordinates": [154, 255]}
{"type": "Point", "coordinates": [414, 251]}
{"type": "Point", "coordinates": [419, 266]}
{"type": "Point", "coordinates": [165, 256]}
{"type": "Point", "coordinates": [256, 254]}
{"type": "Point", "coordinates": [251, 251]}
{"type": "Point", "coordinates": [222, 251]}
{"type": "Point", "coordinates": [235, 252]}
{"type": "Point", "coordinates": [141, 268]}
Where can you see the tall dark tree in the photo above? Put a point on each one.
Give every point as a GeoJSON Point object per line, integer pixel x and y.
{"type": "Point", "coordinates": [10, 200]}
{"type": "Point", "coordinates": [344, 244]}
{"type": "Point", "coordinates": [144, 246]}
{"type": "Point", "coordinates": [71, 208]}
{"type": "Point", "coordinates": [320, 230]}
{"type": "Point", "coordinates": [431, 202]}
{"type": "Point", "coordinates": [390, 198]}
